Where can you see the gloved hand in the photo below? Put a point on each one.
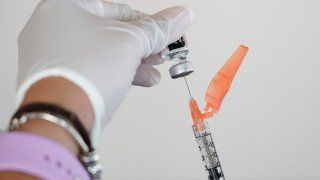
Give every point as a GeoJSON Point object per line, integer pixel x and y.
{"type": "Point", "coordinates": [102, 47]}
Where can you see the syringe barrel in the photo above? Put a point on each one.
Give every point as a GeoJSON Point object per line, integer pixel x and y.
{"type": "Point", "coordinates": [208, 151]}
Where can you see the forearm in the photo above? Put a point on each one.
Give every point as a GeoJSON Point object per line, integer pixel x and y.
{"type": "Point", "coordinates": [65, 94]}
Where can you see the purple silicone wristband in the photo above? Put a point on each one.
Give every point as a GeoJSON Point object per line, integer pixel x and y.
{"type": "Point", "coordinates": [39, 156]}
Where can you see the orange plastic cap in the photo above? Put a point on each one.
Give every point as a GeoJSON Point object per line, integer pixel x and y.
{"type": "Point", "coordinates": [221, 82]}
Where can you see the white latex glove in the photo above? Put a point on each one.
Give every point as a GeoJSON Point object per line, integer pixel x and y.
{"type": "Point", "coordinates": [97, 45]}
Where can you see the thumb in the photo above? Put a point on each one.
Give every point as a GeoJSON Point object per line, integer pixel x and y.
{"type": "Point", "coordinates": [162, 28]}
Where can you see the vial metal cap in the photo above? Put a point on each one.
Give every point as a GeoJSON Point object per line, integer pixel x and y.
{"type": "Point", "coordinates": [180, 70]}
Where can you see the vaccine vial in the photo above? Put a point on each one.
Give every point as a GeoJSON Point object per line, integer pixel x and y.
{"type": "Point", "coordinates": [177, 53]}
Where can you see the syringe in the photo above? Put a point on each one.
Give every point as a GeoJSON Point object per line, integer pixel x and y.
{"type": "Point", "coordinates": [204, 139]}
{"type": "Point", "coordinates": [206, 146]}
{"type": "Point", "coordinates": [208, 151]}
{"type": "Point", "coordinates": [218, 88]}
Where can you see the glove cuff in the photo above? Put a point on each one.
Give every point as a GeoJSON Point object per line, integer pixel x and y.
{"type": "Point", "coordinates": [86, 85]}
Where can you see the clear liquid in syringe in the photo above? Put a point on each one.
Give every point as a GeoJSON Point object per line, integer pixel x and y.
{"type": "Point", "coordinates": [208, 152]}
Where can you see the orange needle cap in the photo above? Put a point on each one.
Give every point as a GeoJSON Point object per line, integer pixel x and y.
{"type": "Point", "coordinates": [221, 82]}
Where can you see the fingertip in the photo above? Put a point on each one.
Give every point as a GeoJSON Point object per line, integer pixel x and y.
{"type": "Point", "coordinates": [189, 11]}
{"type": "Point", "coordinates": [150, 83]}
{"type": "Point", "coordinates": [179, 18]}
{"type": "Point", "coordinates": [147, 76]}
{"type": "Point", "coordinates": [154, 59]}
{"type": "Point", "coordinates": [172, 12]}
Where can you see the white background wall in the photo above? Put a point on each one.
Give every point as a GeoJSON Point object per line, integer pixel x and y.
{"type": "Point", "coordinates": [268, 127]}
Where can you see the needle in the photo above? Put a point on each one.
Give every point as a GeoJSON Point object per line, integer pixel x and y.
{"type": "Point", "coordinates": [185, 79]}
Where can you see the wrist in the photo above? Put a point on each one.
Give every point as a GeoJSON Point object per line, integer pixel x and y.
{"type": "Point", "coordinates": [52, 132]}
{"type": "Point", "coordinates": [63, 93]}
